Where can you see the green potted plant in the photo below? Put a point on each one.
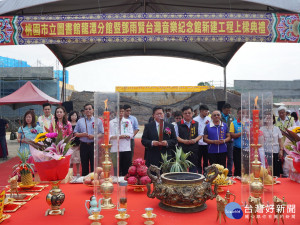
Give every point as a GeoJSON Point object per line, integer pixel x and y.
{"type": "Point", "coordinates": [179, 163]}
{"type": "Point", "coordinates": [177, 189]}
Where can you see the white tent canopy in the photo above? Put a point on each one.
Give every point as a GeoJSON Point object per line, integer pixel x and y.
{"type": "Point", "coordinates": [290, 5]}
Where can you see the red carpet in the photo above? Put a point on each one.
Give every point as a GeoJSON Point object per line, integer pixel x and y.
{"type": "Point", "coordinates": [33, 212]}
{"type": "Point", "coordinates": [6, 169]}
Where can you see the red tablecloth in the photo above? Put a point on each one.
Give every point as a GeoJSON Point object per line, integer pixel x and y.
{"type": "Point", "coordinates": [33, 212]}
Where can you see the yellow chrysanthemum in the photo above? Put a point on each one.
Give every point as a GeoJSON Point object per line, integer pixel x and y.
{"type": "Point", "coordinates": [296, 130]}
{"type": "Point", "coordinates": [40, 137]}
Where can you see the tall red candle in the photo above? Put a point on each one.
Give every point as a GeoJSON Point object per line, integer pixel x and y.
{"type": "Point", "coordinates": [255, 118]}
{"type": "Point", "coordinates": [106, 124]}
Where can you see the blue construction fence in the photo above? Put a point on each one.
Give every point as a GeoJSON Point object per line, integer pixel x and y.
{"type": "Point", "coordinates": [8, 62]}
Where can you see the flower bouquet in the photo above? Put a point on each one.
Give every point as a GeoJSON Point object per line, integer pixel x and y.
{"type": "Point", "coordinates": [51, 153]}
{"type": "Point", "coordinates": [292, 146]}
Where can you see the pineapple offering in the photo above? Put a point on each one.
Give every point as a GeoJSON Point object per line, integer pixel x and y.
{"type": "Point", "coordinates": [222, 178]}
{"type": "Point", "coordinates": [24, 168]}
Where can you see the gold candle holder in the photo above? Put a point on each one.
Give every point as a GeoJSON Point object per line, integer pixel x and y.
{"type": "Point", "coordinates": [256, 186]}
{"type": "Point", "coordinates": [149, 216]}
{"type": "Point", "coordinates": [122, 216]}
{"type": "Point", "coordinates": [106, 187]}
{"type": "Point", "coordinates": [95, 218]}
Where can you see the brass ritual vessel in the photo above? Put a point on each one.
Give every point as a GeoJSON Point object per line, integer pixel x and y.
{"type": "Point", "coordinates": [256, 187]}
{"type": "Point", "coordinates": [55, 199]}
{"type": "Point", "coordinates": [221, 204]}
{"type": "Point", "coordinates": [106, 187]}
{"type": "Point", "coordinates": [279, 206]}
{"type": "Point", "coordinates": [183, 192]}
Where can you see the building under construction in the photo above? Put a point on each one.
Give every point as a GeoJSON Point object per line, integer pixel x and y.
{"type": "Point", "coordinates": [15, 73]}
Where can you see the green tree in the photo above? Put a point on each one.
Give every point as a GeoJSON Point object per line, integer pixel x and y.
{"type": "Point", "coordinates": [204, 84]}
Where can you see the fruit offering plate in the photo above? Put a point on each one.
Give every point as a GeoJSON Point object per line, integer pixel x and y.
{"type": "Point", "coordinates": [36, 188]}
{"type": "Point", "coordinates": [220, 187]}
{"type": "Point", "coordinates": [137, 187]}
{"type": "Point", "coordinates": [246, 181]}
{"type": "Point", "coordinates": [92, 185]}
{"type": "Point", "coordinates": [8, 200]}
{"type": "Point", "coordinates": [12, 207]}
{"type": "Point", "coordinates": [76, 180]}
{"type": "Point", "coordinates": [23, 186]}
{"type": "Point", "coordinates": [275, 181]}
{"type": "Point", "coordinates": [223, 185]}
{"type": "Point", "coordinates": [25, 197]}
{"type": "Point", "coordinates": [4, 217]}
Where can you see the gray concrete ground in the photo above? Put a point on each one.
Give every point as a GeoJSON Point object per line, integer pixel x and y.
{"type": "Point", "coordinates": [12, 146]}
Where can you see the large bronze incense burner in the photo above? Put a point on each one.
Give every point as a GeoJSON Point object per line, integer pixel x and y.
{"type": "Point", "coordinates": [184, 191]}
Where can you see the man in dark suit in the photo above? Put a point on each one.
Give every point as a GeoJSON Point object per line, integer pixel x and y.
{"type": "Point", "coordinates": [151, 141]}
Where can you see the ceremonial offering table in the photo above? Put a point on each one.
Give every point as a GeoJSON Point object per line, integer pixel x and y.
{"type": "Point", "coordinates": [33, 212]}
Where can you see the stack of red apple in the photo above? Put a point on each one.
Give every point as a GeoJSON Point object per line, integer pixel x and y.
{"type": "Point", "coordinates": [95, 178]}
{"type": "Point", "coordinates": [137, 173]}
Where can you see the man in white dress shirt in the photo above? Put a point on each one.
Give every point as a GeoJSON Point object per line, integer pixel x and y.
{"type": "Point", "coordinates": [135, 126]}
{"type": "Point", "coordinates": [123, 128]}
{"type": "Point", "coordinates": [203, 119]}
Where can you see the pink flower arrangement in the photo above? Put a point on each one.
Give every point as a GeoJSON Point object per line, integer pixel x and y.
{"type": "Point", "coordinates": [33, 131]}
{"type": "Point", "coordinates": [51, 135]}
{"type": "Point", "coordinates": [47, 146]}
{"type": "Point", "coordinates": [295, 151]}
{"type": "Point", "coordinates": [293, 147]}
{"type": "Point", "coordinates": [168, 131]}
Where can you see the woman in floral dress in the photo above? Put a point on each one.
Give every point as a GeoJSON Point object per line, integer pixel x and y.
{"type": "Point", "coordinates": [61, 122]}
{"type": "Point", "coordinates": [29, 130]}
